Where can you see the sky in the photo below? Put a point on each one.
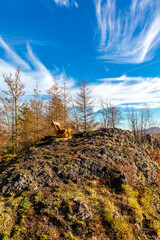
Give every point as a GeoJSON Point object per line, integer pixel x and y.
{"type": "Point", "coordinates": [113, 44]}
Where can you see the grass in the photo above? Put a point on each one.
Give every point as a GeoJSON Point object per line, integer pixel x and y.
{"type": "Point", "coordinates": [69, 236]}
{"type": "Point", "coordinates": [132, 197]}
{"type": "Point", "coordinates": [35, 197]}
{"type": "Point", "coordinates": [116, 222]}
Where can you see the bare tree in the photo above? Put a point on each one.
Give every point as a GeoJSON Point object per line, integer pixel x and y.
{"type": "Point", "coordinates": [38, 113]}
{"type": "Point", "coordinates": [115, 116]}
{"type": "Point", "coordinates": [11, 104]}
{"type": "Point", "coordinates": [132, 118]}
{"type": "Point", "coordinates": [84, 106]}
{"type": "Point", "coordinates": [111, 115]}
{"type": "Point", "coordinates": [74, 122]}
{"type": "Point", "coordinates": [103, 104]}
{"type": "Point", "coordinates": [65, 101]}
{"type": "Point", "coordinates": [139, 121]}
{"type": "Point", "coordinates": [54, 105]}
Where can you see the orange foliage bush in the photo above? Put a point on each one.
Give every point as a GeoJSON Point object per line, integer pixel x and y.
{"type": "Point", "coordinates": [2, 139]}
{"type": "Point", "coordinates": [156, 158]}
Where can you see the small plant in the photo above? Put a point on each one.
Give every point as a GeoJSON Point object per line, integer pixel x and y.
{"type": "Point", "coordinates": [132, 201]}
{"type": "Point", "coordinates": [146, 200]}
{"type": "Point", "coordinates": [117, 222]}
{"type": "Point", "coordinates": [67, 165]}
{"type": "Point", "coordinates": [69, 236]}
{"type": "Point", "coordinates": [43, 237]}
{"type": "Point", "coordinates": [24, 205]}
{"type": "Point", "coordinates": [23, 194]}
{"type": "Point", "coordinates": [56, 204]}
{"type": "Point", "coordinates": [57, 189]}
{"type": "Point", "coordinates": [21, 220]}
{"type": "Point", "coordinates": [4, 236]}
{"type": "Point", "coordinates": [156, 227]}
{"type": "Point", "coordinates": [15, 232]}
{"type": "Point", "coordinates": [35, 197]}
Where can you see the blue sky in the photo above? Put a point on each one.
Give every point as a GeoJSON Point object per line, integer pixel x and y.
{"type": "Point", "coordinates": [113, 44]}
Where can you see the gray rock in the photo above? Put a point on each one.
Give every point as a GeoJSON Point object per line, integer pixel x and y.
{"type": "Point", "coordinates": [19, 183]}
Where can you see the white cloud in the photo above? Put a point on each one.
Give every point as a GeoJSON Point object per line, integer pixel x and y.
{"type": "Point", "coordinates": [66, 3]}
{"type": "Point", "coordinates": [76, 4]}
{"type": "Point", "coordinates": [30, 76]}
{"type": "Point", "coordinates": [123, 78]}
{"type": "Point", "coordinates": [130, 34]}
{"type": "Point", "coordinates": [62, 2]}
{"type": "Point", "coordinates": [13, 56]}
{"type": "Point", "coordinates": [122, 91]}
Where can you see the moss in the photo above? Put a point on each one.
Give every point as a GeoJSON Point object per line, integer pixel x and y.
{"type": "Point", "coordinates": [14, 201]}
{"type": "Point", "coordinates": [57, 189]}
{"type": "Point", "coordinates": [146, 200]}
{"type": "Point", "coordinates": [67, 165]}
{"type": "Point", "coordinates": [117, 223]}
{"type": "Point", "coordinates": [4, 236]}
{"type": "Point", "coordinates": [43, 237]}
{"type": "Point", "coordinates": [23, 206]}
{"type": "Point", "coordinates": [15, 232]}
{"type": "Point", "coordinates": [56, 204]}
{"type": "Point", "coordinates": [21, 220]}
{"type": "Point", "coordinates": [24, 194]}
{"type": "Point", "coordinates": [69, 236]}
{"type": "Point", "coordinates": [133, 202]}
{"type": "Point", "coordinates": [35, 197]}
{"type": "Point", "coordinates": [156, 227]}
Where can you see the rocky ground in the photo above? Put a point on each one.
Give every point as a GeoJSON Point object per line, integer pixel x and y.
{"type": "Point", "coordinates": [98, 185]}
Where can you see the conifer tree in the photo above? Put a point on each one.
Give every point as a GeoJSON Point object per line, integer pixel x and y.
{"type": "Point", "coordinates": [3, 135]}
{"type": "Point", "coordinates": [74, 122]}
{"type": "Point", "coordinates": [57, 104]}
{"type": "Point", "coordinates": [84, 106]}
{"type": "Point", "coordinates": [26, 118]}
{"type": "Point", "coordinates": [38, 114]}
{"type": "Point", "coordinates": [11, 104]}
{"type": "Point", "coordinates": [65, 100]}
{"type": "Point", "coordinates": [54, 106]}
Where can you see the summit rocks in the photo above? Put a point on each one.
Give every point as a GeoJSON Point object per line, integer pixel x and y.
{"type": "Point", "coordinates": [100, 184]}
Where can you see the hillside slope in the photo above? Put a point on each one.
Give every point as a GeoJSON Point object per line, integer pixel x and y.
{"type": "Point", "coordinates": [97, 185]}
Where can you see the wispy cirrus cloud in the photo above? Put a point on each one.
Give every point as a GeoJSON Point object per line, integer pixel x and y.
{"type": "Point", "coordinates": [66, 3]}
{"type": "Point", "coordinates": [121, 90]}
{"type": "Point", "coordinates": [12, 55]}
{"type": "Point", "coordinates": [129, 90]}
{"type": "Point", "coordinates": [32, 70]}
{"type": "Point", "coordinates": [130, 34]}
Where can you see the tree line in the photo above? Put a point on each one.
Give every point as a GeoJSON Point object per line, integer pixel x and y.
{"type": "Point", "coordinates": [25, 122]}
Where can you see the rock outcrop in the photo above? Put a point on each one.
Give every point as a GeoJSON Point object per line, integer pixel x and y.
{"type": "Point", "coordinates": [98, 185]}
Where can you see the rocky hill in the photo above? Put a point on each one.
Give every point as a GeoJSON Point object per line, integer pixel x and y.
{"type": "Point", "coordinates": [98, 185]}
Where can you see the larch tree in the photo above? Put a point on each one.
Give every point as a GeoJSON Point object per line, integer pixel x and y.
{"type": "Point", "coordinates": [26, 118]}
{"type": "Point", "coordinates": [84, 106]}
{"type": "Point", "coordinates": [66, 101]}
{"type": "Point", "coordinates": [74, 122]}
{"type": "Point", "coordinates": [38, 114]}
{"type": "Point", "coordinates": [10, 100]}
{"type": "Point", "coordinates": [3, 134]}
{"type": "Point", "coordinates": [54, 105]}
